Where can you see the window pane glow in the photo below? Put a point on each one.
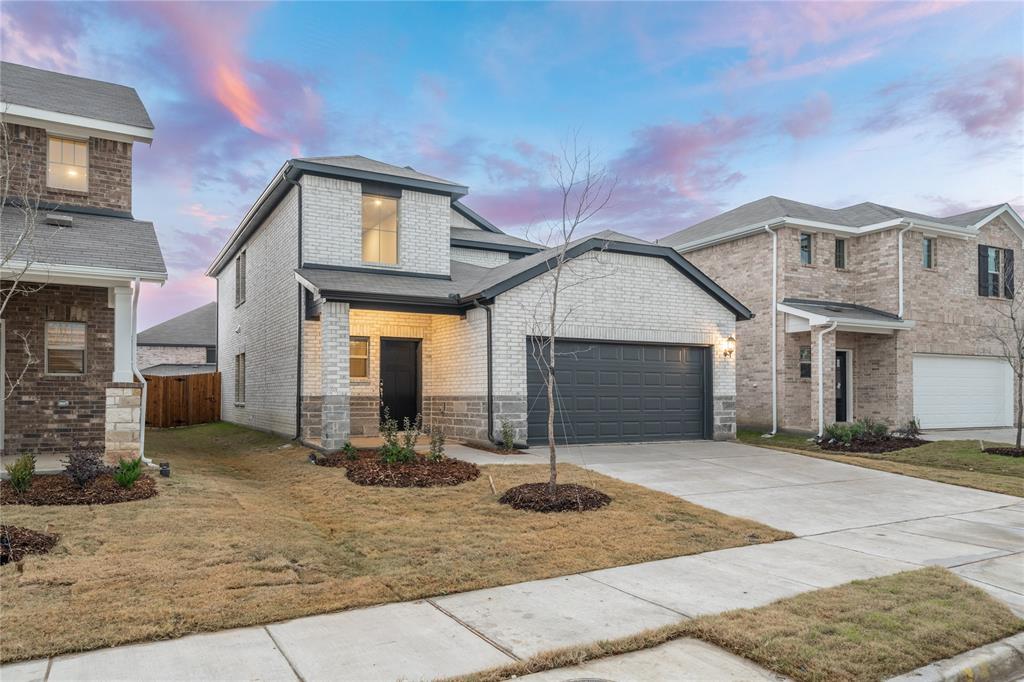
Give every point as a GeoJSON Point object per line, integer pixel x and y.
{"type": "Point", "coordinates": [65, 348]}
{"type": "Point", "coordinates": [68, 165]}
{"type": "Point", "coordinates": [380, 229]}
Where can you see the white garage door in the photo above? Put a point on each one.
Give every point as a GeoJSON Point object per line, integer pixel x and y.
{"type": "Point", "coordinates": [959, 391]}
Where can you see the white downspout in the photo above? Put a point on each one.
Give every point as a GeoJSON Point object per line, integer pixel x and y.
{"type": "Point", "coordinates": [821, 377]}
{"type": "Point", "coordinates": [775, 313]}
{"type": "Point", "coordinates": [138, 375]}
{"type": "Point", "coordinates": [899, 258]}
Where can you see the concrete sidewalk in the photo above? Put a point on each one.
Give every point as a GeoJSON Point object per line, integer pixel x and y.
{"type": "Point", "coordinates": [855, 523]}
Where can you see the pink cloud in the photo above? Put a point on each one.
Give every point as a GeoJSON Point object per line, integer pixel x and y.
{"type": "Point", "coordinates": [988, 102]}
{"type": "Point", "coordinates": [34, 35]}
{"type": "Point", "coordinates": [811, 118]}
{"type": "Point", "coordinates": [184, 292]}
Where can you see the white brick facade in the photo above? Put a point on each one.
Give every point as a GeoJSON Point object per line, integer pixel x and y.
{"type": "Point", "coordinates": [487, 259]}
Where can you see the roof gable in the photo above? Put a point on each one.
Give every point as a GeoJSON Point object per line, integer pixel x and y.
{"type": "Point", "coordinates": [197, 327]}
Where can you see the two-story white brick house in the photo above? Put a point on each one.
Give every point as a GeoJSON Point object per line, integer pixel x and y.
{"type": "Point", "coordinates": [865, 311]}
{"type": "Point", "coordinates": [353, 285]}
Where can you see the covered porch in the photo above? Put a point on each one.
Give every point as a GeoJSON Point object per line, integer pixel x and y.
{"type": "Point", "coordinates": [841, 362]}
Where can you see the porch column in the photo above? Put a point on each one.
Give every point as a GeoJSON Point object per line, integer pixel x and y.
{"type": "Point", "coordinates": [334, 375]}
{"type": "Point", "coordinates": [823, 383]}
{"type": "Point", "coordinates": [123, 336]}
{"type": "Point", "coordinates": [904, 378]}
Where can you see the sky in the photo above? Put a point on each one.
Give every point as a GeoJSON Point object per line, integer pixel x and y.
{"type": "Point", "coordinates": [694, 108]}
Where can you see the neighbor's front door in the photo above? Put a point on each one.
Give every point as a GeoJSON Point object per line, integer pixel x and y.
{"type": "Point", "coordinates": [400, 378]}
{"type": "Point", "coordinates": [842, 390]}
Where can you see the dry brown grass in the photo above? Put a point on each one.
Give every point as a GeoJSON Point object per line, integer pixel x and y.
{"type": "Point", "coordinates": [866, 630]}
{"type": "Point", "coordinates": [247, 533]}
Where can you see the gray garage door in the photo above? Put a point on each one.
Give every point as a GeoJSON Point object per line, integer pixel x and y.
{"type": "Point", "coordinates": [620, 392]}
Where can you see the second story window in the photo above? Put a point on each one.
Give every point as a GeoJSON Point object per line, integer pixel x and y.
{"type": "Point", "coordinates": [240, 279]}
{"type": "Point", "coordinates": [806, 248]}
{"type": "Point", "coordinates": [67, 164]}
{"type": "Point", "coordinates": [841, 254]}
{"type": "Point", "coordinates": [995, 272]}
{"type": "Point", "coordinates": [928, 253]}
{"type": "Point", "coordinates": [380, 229]}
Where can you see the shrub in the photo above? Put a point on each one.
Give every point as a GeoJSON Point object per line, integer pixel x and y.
{"type": "Point", "coordinates": [128, 471]}
{"type": "Point", "coordinates": [436, 444]}
{"type": "Point", "coordinates": [912, 429]}
{"type": "Point", "coordinates": [860, 430]}
{"type": "Point", "coordinates": [349, 451]}
{"type": "Point", "coordinates": [411, 431]}
{"type": "Point", "coordinates": [21, 472]}
{"type": "Point", "coordinates": [84, 465]}
{"type": "Point", "coordinates": [389, 429]}
{"type": "Point", "coordinates": [508, 436]}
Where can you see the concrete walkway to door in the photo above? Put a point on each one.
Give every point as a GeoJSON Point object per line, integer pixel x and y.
{"type": "Point", "coordinates": [854, 523]}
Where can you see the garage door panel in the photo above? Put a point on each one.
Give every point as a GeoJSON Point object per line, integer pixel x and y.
{"type": "Point", "coordinates": [953, 391]}
{"type": "Point", "coordinates": [641, 392]}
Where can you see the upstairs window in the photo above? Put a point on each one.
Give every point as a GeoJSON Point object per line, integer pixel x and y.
{"type": "Point", "coordinates": [240, 279]}
{"type": "Point", "coordinates": [240, 379]}
{"type": "Point", "coordinates": [67, 164]}
{"type": "Point", "coordinates": [841, 254]}
{"type": "Point", "coordinates": [805, 362]}
{"type": "Point", "coordinates": [380, 229]}
{"type": "Point", "coordinates": [995, 272]}
{"type": "Point", "coordinates": [65, 348]}
{"type": "Point", "coordinates": [928, 253]}
{"type": "Point", "coordinates": [806, 248]}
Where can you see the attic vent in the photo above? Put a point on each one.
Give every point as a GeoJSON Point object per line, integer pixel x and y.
{"type": "Point", "coordinates": [832, 308]}
{"type": "Point", "coordinates": [59, 219]}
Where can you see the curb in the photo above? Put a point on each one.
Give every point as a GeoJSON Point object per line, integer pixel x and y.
{"type": "Point", "coordinates": [1000, 661]}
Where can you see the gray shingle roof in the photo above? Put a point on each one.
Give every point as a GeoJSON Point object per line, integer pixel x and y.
{"type": "Point", "coordinates": [489, 238]}
{"type": "Point", "coordinates": [197, 327]}
{"type": "Point", "coordinates": [770, 208]}
{"type": "Point", "coordinates": [463, 275]}
{"type": "Point", "coordinates": [845, 311]}
{"type": "Point", "coordinates": [91, 241]}
{"type": "Point", "coordinates": [178, 370]}
{"type": "Point", "coordinates": [362, 163]}
{"type": "Point", "coordinates": [73, 95]}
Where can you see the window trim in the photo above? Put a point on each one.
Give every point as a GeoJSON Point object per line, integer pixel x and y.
{"type": "Point", "coordinates": [46, 350]}
{"type": "Point", "coordinates": [840, 247]}
{"type": "Point", "coordinates": [240, 379]}
{"type": "Point", "coordinates": [810, 248]}
{"type": "Point", "coordinates": [366, 357]}
{"type": "Point", "coordinates": [801, 363]}
{"type": "Point", "coordinates": [76, 140]}
{"type": "Point", "coordinates": [363, 231]}
{"type": "Point", "coordinates": [241, 262]}
{"type": "Point", "coordinates": [929, 260]}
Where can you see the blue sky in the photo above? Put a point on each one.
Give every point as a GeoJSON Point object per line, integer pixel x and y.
{"type": "Point", "coordinates": [695, 107]}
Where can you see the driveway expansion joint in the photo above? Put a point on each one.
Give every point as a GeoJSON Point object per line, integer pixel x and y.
{"type": "Point", "coordinates": [284, 654]}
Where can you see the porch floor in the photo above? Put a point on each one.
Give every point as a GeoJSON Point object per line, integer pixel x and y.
{"type": "Point", "coordinates": [45, 464]}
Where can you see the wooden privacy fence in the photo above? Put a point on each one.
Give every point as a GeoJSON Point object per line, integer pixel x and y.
{"type": "Point", "coordinates": [183, 400]}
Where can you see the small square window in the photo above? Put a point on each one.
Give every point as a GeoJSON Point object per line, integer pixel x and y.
{"type": "Point", "coordinates": [841, 254]}
{"type": "Point", "coordinates": [67, 164]}
{"type": "Point", "coordinates": [359, 357]}
{"type": "Point", "coordinates": [806, 248]}
{"type": "Point", "coordinates": [65, 348]}
{"type": "Point", "coordinates": [805, 362]}
{"type": "Point", "coordinates": [928, 253]}
{"type": "Point", "coordinates": [211, 355]}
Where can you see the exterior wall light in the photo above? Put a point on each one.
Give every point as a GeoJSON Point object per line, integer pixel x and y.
{"type": "Point", "coordinates": [730, 347]}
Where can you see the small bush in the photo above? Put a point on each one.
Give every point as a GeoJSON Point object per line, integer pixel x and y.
{"type": "Point", "coordinates": [128, 471]}
{"type": "Point", "coordinates": [399, 448]}
{"type": "Point", "coordinates": [411, 431]}
{"type": "Point", "coordinates": [349, 451]}
{"type": "Point", "coordinates": [859, 431]}
{"type": "Point", "coordinates": [396, 454]}
{"type": "Point", "coordinates": [84, 465]}
{"type": "Point", "coordinates": [21, 472]}
{"type": "Point", "coordinates": [436, 444]}
{"type": "Point", "coordinates": [389, 429]}
{"type": "Point", "coordinates": [508, 436]}
{"type": "Point", "coordinates": [912, 429]}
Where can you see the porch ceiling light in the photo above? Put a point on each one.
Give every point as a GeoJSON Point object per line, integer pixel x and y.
{"type": "Point", "coordinates": [730, 347]}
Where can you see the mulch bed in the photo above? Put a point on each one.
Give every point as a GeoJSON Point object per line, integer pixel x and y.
{"type": "Point", "coordinates": [490, 447]}
{"type": "Point", "coordinates": [58, 489]}
{"type": "Point", "coordinates": [16, 542]}
{"type": "Point", "coordinates": [1005, 452]}
{"type": "Point", "coordinates": [367, 469]}
{"type": "Point", "coordinates": [568, 497]}
{"type": "Point", "coordinates": [873, 446]}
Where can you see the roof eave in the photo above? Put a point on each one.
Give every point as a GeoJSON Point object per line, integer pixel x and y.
{"type": "Point", "coordinates": [475, 217]}
{"type": "Point", "coordinates": [21, 113]}
{"type": "Point", "coordinates": [312, 167]}
{"type": "Point", "coordinates": [491, 246]}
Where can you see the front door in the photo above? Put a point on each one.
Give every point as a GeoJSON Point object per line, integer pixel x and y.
{"type": "Point", "coordinates": [400, 378]}
{"type": "Point", "coordinates": [842, 389]}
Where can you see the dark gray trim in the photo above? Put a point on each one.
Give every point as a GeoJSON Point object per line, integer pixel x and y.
{"type": "Point", "coordinates": [709, 393]}
{"type": "Point", "coordinates": [382, 189]}
{"type": "Point", "coordinates": [490, 373]}
{"type": "Point", "coordinates": [474, 217]}
{"type": "Point", "coordinates": [375, 271]}
{"type": "Point", "coordinates": [490, 246]}
{"type": "Point", "coordinates": [66, 208]}
{"type": "Point", "coordinates": [671, 255]}
{"type": "Point", "coordinates": [300, 317]}
{"type": "Point", "coordinates": [177, 345]}
{"type": "Point", "coordinates": [403, 306]}
{"type": "Point", "coordinates": [854, 306]}
{"type": "Point", "coordinates": [328, 170]}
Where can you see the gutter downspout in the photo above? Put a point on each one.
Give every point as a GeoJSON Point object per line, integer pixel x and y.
{"type": "Point", "coordinates": [490, 373]}
{"type": "Point", "coordinates": [138, 374]}
{"type": "Point", "coordinates": [899, 258]}
{"type": "Point", "coordinates": [775, 313]}
{"type": "Point", "coordinates": [298, 340]}
{"type": "Point", "coordinates": [821, 377]}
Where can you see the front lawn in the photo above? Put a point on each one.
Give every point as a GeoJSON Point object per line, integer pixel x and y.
{"type": "Point", "coordinates": [245, 532]}
{"type": "Point", "coordinates": [960, 462]}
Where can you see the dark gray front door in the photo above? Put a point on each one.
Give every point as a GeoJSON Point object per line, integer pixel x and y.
{"type": "Point", "coordinates": [620, 392]}
{"type": "Point", "coordinates": [400, 378]}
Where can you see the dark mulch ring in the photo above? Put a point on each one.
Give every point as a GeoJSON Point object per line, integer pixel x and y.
{"type": "Point", "coordinates": [874, 445]}
{"type": "Point", "coordinates": [491, 447]}
{"type": "Point", "coordinates": [367, 469]}
{"type": "Point", "coordinates": [16, 542]}
{"type": "Point", "coordinates": [568, 497]}
{"type": "Point", "coordinates": [58, 489]}
{"type": "Point", "coordinates": [1005, 452]}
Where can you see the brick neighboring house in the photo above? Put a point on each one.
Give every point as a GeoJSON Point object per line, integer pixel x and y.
{"type": "Point", "coordinates": [185, 344]}
{"type": "Point", "coordinates": [67, 332]}
{"type": "Point", "coordinates": [894, 343]}
{"type": "Point", "coordinates": [352, 284]}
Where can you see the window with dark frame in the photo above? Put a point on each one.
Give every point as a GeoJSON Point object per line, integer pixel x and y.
{"type": "Point", "coordinates": [240, 379]}
{"type": "Point", "coordinates": [358, 357]}
{"type": "Point", "coordinates": [806, 248]}
{"type": "Point", "coordinates": [65, 348]}
{"type": "Point", "coordinates": [928, 253]}
{"type": "Point", "coordinates": [211, 355]}
{"type": "Point", "coordinates": [840, 254]}
{"type": "Point", "coordinates": [805, 362]}
{"type": "Point", "coordinates": [995, 272]}
{"type": "Point", "coordinates": [240, 279]}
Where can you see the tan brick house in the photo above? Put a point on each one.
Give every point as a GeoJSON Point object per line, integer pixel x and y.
{"type": "Point", "coordinates": [73, 259]}
{"type": "Point", "coordinates": [875, 311]}
{"type": "Point", "coordinates": [184, 344]}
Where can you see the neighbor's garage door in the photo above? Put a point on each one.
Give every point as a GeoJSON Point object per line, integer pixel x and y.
{"type": "Point", "coordinates": [960, 391]}
{"type": "Point", "coordinates": [621, 392]}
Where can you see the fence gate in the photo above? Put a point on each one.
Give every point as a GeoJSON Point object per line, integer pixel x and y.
{"type": "Point", "coordinates": [183, 400]}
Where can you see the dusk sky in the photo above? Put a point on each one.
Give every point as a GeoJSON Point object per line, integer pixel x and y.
{"type": "Point", "coordinates": [695, 107]}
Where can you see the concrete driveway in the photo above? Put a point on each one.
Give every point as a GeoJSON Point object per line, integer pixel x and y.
{"type": "Point", "coordinates": [998, 435]}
